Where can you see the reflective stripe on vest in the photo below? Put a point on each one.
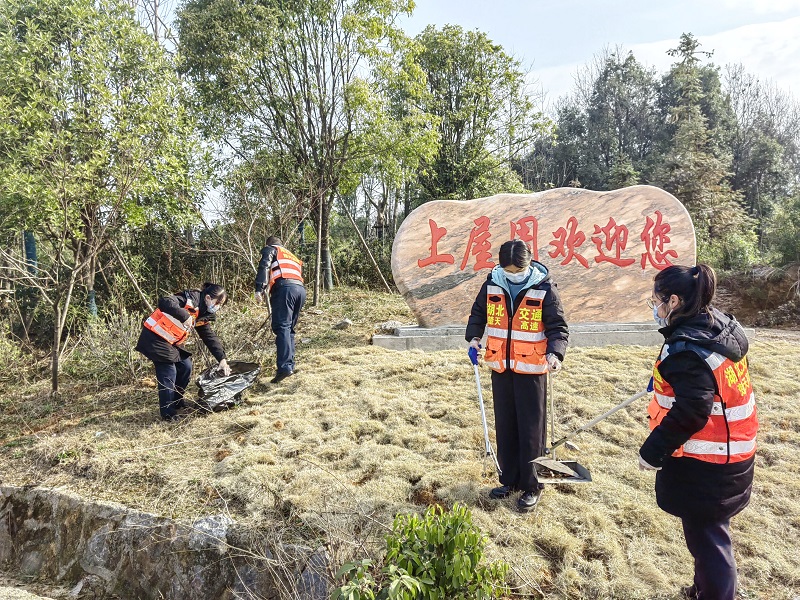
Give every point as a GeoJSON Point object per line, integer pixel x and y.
{"type": "Point", "coordinates": [286, 265]}
{"type": "Point", "coordinates": [168, 327]}
{"type": "Point", "coordinates": [524, 330]}
{"type": "Point", "coordinates": [729, 435]}
{"type": "Point", "coordinates": [737, 413]}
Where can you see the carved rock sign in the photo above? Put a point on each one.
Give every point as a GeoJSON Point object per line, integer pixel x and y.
{"type": "Point", "coordinates": [602, 249]}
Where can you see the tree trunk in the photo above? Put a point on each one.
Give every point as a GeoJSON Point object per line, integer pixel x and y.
{"type": "Point", "coordinates": [92, 303]}
{"type": "Point", "coordinates": [60, 316]}
{"type": "Point", "coordinates": [56, 347]}
{"type": "Point", "coordinates": [318, 261]}
{"type": "Point", "coordinates": [407, 201]}
{"type": "Point", "coordinates": [327, 274]}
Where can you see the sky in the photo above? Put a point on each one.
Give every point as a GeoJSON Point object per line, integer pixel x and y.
{"type": "Point", "coordinates": [554, 38]}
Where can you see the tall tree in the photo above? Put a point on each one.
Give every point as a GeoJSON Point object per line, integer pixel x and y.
{"type": "Point", "coordinates": [608, 127]}
{"type": "Point", "coordinates": [286, 84]}
{"type": "Point", "coordinates": [486, 117]}
{"type": "Point", "coordinates": [696, 166]}
{"type": "Point", "coordinates": [765, 144]}
{"type": "Point", "coordinates": [93, 139]}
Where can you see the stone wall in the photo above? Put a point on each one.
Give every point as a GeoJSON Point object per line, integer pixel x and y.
{"type": "Point", "coordinates": [108, 550]}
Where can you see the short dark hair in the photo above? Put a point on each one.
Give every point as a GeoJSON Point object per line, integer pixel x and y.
{"type": "Point", "coordinates": [515, 252]}
{"type": "Point", "coordinates": [216, 291]}
{"type": "Point", "coordinates": [695, 286]}
{"type": "Point", "coordinates": [274, 241]}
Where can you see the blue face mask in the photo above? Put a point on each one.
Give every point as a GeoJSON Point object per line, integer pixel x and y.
{"type": "Point", "coordinates": [662, 321]}
{"type": "Point", "coordinates": [211, 308]}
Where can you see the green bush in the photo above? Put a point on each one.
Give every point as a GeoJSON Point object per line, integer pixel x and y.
{"type": "Point", "coordinates": [436, 556]}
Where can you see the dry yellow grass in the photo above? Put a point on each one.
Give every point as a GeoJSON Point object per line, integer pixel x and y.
{"type": "Point", "coordinates": [362, 433]}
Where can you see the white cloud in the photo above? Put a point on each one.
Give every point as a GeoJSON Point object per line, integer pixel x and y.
{"type": "Point", "coordinates": [770, 51]}
{"type": "Point", "coordinates": [762, 6]}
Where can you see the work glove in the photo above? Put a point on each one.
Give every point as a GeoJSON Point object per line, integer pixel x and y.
{"type": "Point", "coordinates": [646, 466]}
{"type": "Point", "coordinates": [474, 346]}
{"type": "Point", "coordinates": [187, 324]}
{"type": "Point", "coordinates": [224, 368]}
{"type": "Point", "coordinates": [259, 296]}
{"type": "Point", "coordinates": [553, 363]}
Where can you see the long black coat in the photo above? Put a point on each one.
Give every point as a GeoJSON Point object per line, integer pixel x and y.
{"type": "Point", "coordinates": [158, 349]}
{"type": "Point", "coordinates": [687, 487]}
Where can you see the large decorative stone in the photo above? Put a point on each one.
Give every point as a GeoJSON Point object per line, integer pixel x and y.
{"type": "Point", "coordinates": [602, 249]}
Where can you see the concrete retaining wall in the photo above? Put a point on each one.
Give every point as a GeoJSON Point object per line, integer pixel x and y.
{"type": "Point", "coordinates": [106, 549]}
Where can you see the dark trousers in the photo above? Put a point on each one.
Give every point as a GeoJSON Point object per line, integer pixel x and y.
{"type": "Point", "coordinates": [714, 565]}
{"type": "Point", "coordinates": [519, 419]}
{"type": "Point", "coordinates": [172, 381]}
{"type": "Point", "coordinates": [286, 300]}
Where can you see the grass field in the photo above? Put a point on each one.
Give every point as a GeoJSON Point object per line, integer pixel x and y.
{"type": "Point", "coordinates": [362, 433]}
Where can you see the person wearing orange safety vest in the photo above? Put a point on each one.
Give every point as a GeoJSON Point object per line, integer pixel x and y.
{"type": "Point", "coordinates": [280, 274]}
{"type": "Point", "coordinates": [703, 423]}
{"type": "Point", "coordinates": [164, 334]}
{"type": "Point", "coordinates": [526, 337]}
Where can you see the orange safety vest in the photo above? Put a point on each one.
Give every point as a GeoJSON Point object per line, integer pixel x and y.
{"type": "Point", "coordinates": [285, 265]}
{"type": "Point", "coordinates": [729, 435]}
{"type": "Point", "coordinates": [170, 328]}
{"type": "Point", "coordinates": [525, 335]}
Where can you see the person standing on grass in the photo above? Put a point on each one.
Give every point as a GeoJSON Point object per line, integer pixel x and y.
{"type": "Point", "coordinates": [519, 308]}
{"type": "Point", "coordinates": [703, 423]}
{"type": "Point", "coordinates": [164, 334]}
{"type": "Point", "coordinates": [280, 273]}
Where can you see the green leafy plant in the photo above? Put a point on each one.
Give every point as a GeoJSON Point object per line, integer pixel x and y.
{"type": "Point", "coordinates": [436, 556]}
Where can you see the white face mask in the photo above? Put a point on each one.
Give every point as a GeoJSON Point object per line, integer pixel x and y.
{"type": "Point", "coordinates": [517, 277]}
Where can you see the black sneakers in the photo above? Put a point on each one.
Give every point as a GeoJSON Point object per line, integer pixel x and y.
{"type": "Point", "coordinates": [504, 491]}
{"type": "Point", "coordinates": [281, 376]}
{"type": "Point", "coordinates": [528, 500]}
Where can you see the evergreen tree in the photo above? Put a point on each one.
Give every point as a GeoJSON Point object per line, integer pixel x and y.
{"type": "Point", "coordinates": [696, 166]}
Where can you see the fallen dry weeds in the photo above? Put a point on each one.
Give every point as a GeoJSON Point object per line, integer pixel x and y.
{"type": "Point", "coordinates": [363, 433]}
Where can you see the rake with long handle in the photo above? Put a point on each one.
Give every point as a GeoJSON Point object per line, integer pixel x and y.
{"type": "Point", "coordinates": [565, 439]}
{"type": "Point", "coordinates": [568, 471]}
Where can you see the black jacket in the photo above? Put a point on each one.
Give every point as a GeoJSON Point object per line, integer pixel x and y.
{"type": "Point", "coordinates": [158, 349]}
{"type": "Point", "coordinates": [687, 487]}
{"type": "Point", "coordinates": [268, 254]}
{"type": "Point", "coordinates": [555, 326]}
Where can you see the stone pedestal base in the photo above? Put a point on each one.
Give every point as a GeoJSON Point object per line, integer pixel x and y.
{"type": "Point", "coordinates": [580, 334]}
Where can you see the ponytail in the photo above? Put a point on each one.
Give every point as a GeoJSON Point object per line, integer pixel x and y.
{"type": "Point", "coordinates": [695, 286]}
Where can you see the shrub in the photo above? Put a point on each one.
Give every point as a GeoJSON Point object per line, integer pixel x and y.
{"type": "Point", "coordinates": [436, 556]}
{"type": "Point", "coordinates": [104, 352]}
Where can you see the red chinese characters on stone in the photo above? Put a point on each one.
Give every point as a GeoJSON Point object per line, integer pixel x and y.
{"type": "Point", "coordinates": [437, 233]}
{"type": "Point", "coordinates": [567, 242]}
{"type": "Point", "coordinates": [479, 245]}
{"type": "Point", "coordinates": [527, 230]}
{"type": "Point", "coordinates": [654, 237]}
{"type": "Point", "coordinates": [615, 237]}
